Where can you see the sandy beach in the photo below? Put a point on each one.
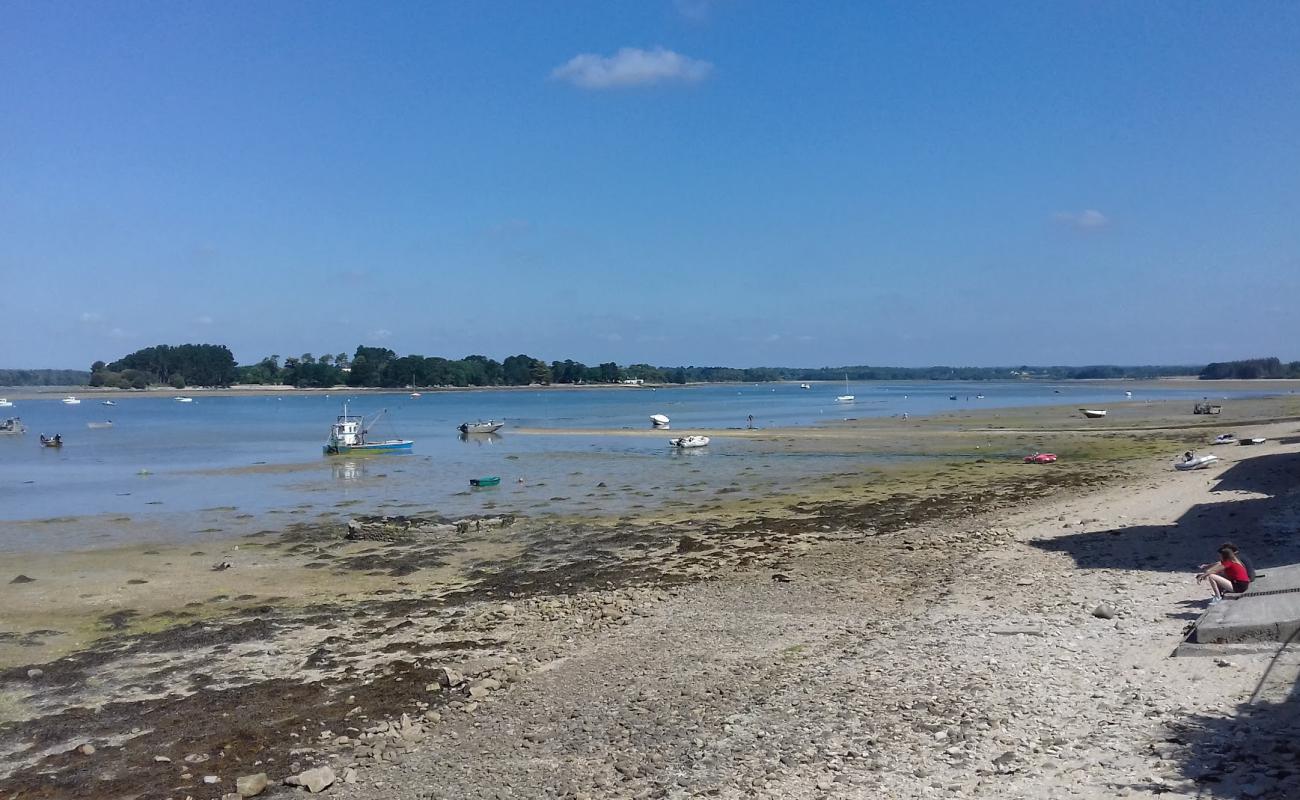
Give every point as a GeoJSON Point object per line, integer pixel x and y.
{"type": "Point", "coordinates": [956, 627]}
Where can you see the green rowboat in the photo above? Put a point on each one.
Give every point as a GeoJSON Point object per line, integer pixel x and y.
{"type": "Point", "coordinates": [494, 480]}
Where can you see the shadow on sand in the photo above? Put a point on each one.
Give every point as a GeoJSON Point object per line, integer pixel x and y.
{"type": "Point", "coordinates": [1250, 751]}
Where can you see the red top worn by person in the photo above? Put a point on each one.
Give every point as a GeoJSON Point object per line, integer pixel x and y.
{"type": "Point", "coordinates": [1236, 573]}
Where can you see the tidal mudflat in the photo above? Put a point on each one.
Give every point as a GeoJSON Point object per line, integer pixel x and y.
{"type": "Point", "coordinates": [729, 642]}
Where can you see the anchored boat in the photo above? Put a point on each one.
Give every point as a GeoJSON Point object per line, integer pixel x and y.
{"type": "Point", "coordinates": [1195, 462]}
{"type": "Point", "coordinates": [1093, 413]}
{"type": "Point", "coordinates": [12, 427]}
{"type": "Point", "coordinates": [348, 435]}
{"type": "Point", "coordinates": [689, 441]}
{"type": "Point", "coordinates": [659, 420]}
{"type": "Point", "coordinates": [491, 480]}
{"type": "Point", "coordinates": [71, 401]}
{"type": "Point", "coordinates": [491, 426]}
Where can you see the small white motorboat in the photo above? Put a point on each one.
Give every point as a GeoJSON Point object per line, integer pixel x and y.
{"type": "Point", "coordinates": [180, 399]}
{"type": "Point", "coordinates": [108, 423]}
{"type": "Point", "coordinates": [1250, 441]}
{"type": "Point", "coordinates": [107, 403]}
{"type": "Point", "coordinates": [12, 427]}
{"type": "Point", "coordinates": [1128, 394]}
{"type": "Point", "coordinates": [1195, 462]}
{"type": "Point", "coordinates": [1225, 438]}
{"type": "Point", "coordinates": [659, 420]}
{"type": "Point", "coordinates": [415, 395]}
{"type": "Point", "coordinates": [71, 401]}
{"type": "Point", "coordinates": [804, 386]}
{"type": "Point", "coordinates": [1093, 413]}
{"type": "Point", "coordinates": [491, 426]}
{"type": "Point", "coordinates": [4, 403]}
{"type": "Point", "coordinates": [689, 441]}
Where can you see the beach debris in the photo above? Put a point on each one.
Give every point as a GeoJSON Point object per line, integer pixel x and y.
{"type": "Point", "coordinates": [781, 578]}
{"type": "Point", "coordinates": [211, 779]}
{"type": "Point", "coordinates": [22, 579]}
{"type": "Point", "coordinates": [221, 566]}
{"type": "Point", "coordinates": [34, 673]}
{"type": "Point", "coordinates": [162, 759]}
{"type": "Point", "coordinates": [313, 780]}
{"type": "Point", "coordinates": [86, 749]}
{"type": "Point", "coordinates": [251, 785]}
{"type": "Point", "coordinates": [1103, 611]}
{"type": "Point", "coordinates": [196, 758]}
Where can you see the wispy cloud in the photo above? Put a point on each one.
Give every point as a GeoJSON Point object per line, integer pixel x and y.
{"type": "Point", "coordinates": [1090, 219]}
{"type": "Point", "coordinates": [630, 67]}
{"type": "Point", "coordinates": [698, 10]}
{"type": "Point", "coordinates": [91, 317]}
{"type": "Point", "coordinates": [203, 319]}
{"type": "Point", "coordinates": [118, 333]}
{"type": "Point", "coordinates": [380, 335]}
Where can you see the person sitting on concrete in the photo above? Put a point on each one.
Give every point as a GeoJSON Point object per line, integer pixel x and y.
{"type": "Point", "coordinates": [1245, 562]}
{"type": "Point", "coordinates": [1229, 575]}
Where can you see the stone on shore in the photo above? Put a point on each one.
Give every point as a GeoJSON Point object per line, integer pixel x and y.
{"type": "Point", "coordinates": [313, 780]}
{"type": "Point", "coordinates": [1104, 611]}
{"type": "Point", "coordinates": [251, 785]}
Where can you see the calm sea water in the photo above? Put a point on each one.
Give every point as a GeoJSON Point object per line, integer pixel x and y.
{"type": "Point", "coordinates": [220, 464]}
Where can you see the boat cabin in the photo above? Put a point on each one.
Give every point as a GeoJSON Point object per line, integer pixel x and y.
{"type": "Point", "coordinates": [347, 430]}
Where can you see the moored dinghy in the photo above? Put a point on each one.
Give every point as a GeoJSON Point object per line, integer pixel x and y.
{"type": "Point", "coordinates": [490, 480]}
{"type": "Point", "coordinates": [12, 427]}
{"type": "Point", "coordinates": [1252, 440]}
{"type": "Point", "coordinates": [1093, 413]}
{"type": "Point", "coordinates": [689, 441]}
{"type": "Point", "coordinates": [1195, 462]}
{"type": "Point", "coordinates": [1225, 438]}
{"type": "Point", "coordinates": [491, 426]}
{"type": "Point", "coordinates": [659, 420]}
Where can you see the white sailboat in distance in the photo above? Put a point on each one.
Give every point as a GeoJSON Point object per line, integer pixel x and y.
{"type": "Point", "coordinates": [846, 397]}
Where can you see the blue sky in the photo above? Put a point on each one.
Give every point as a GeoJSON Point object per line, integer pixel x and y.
{"type": "Point", "coordinates": [693, 182]}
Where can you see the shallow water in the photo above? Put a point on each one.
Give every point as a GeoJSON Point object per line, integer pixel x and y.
{"type": "Point", "coordinates": [218, 465]}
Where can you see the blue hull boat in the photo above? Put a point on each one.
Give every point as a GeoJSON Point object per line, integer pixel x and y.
{"type": "Point", "coordinates": [348, 436]}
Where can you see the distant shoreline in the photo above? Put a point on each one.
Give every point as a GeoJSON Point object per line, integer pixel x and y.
{"type": "Point", "coordinates": [257, 390]}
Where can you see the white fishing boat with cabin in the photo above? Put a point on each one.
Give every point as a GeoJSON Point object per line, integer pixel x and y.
{"type": "Point", "coordinates": [348, 435]}
{"type": "Point", "coordinates": [71, 401]}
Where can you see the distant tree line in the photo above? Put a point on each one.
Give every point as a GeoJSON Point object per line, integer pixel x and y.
{"type": "Point", "coordinates": [43, 377]}
{"type": "Point", "coordinates": [1250, 369]}
{"type": "Point", "coordinates": [178, 366]}
{"type": "Point", "coordinates": [380, 367]}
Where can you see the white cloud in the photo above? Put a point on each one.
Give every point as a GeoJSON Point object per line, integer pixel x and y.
{"type": "Point", "coordinates": [203, 319]}
{"type": "Point", "coordinates": [91, 317]}
{"type": "Point", "coordinates": [631, 66]}
{"type": "Point", "coordinates": [380, 335]}
{"type": "Point", "coordinates": [118, 333]}
{"type": "Point", "coordinates": [772, 337]}
{"type": "Point", "coordinates": [1090, 219]}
